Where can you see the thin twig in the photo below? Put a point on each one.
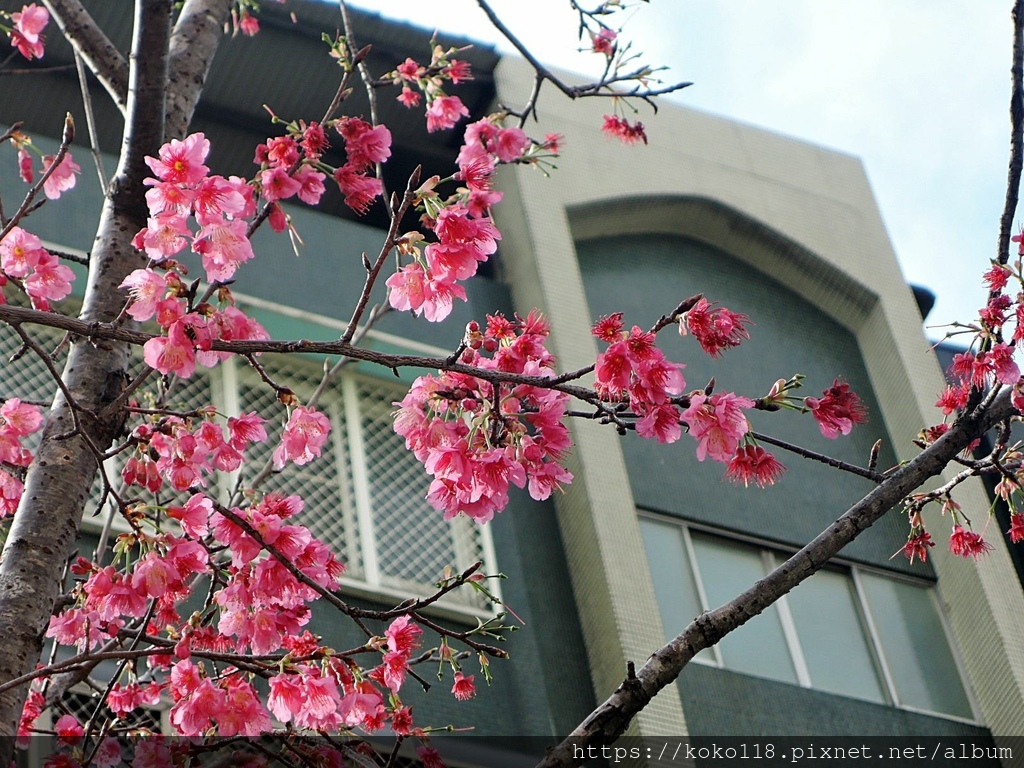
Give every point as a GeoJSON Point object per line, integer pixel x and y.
{"type": "Point", "coordinates": [26, 205]}
{"type": "Point", "coordinates": [875, 477]}
{"type": "Point", "coordinates": [90, 121]}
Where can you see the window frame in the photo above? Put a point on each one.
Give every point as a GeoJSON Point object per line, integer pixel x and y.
{"type": "Point", "coordinates": [772, 555]}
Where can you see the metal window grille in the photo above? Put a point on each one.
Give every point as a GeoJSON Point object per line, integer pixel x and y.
{"type": "Point", "coordinates": [83, 705]}
{"type": "Point", "coordinates": [366, 494]}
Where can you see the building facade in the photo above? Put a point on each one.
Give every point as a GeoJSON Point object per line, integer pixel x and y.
{"type": "Point", "coordinates": [646, 537]}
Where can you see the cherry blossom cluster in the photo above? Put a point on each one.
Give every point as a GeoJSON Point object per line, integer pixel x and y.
{"type": "Point", "coordinates": [162, 295]}
{"type": "Point", "coordinates": [633, 369]}
{"type": "Point", "coordinates": [27, 33]}
{"type": "Point", "coordinates": [18, 420]}
{"type": "Point", "coordinates": [60, 180]}
{"type": "Point", "coordinates": [987, 363]}
{"type": "Point", "coordinates": [176, 450]}
{"type": "Point", "coordinates": [184, 189]}
{"type": "Point", "coordinates": [418, 81]}
{"type": "Point", "coordinates": [38, 272]}
{"type": "Point", "coordinates": [261, 608]}
{"type": "Point", "coordinates": [477, 438]}
{"type": "Point", "coordinates": [466, 235]}
{"type": "Point", "coordinates": [716, 329]}
{"type": "Point", "coordinates": [365, 146]}
{"type": "Point", "coordinates": [430, 284]}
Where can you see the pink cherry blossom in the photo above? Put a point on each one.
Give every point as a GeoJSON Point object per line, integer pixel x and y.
{"type": "Point", "coordinates": [51, 280]}
{"type": "Point", "coordinates": [246, 428]}
{"type": "Point", "coordinates": [25, 166]}
{"type": "Point", "coordinates": [407, 288]}
{"type": "Point", "coordinates": [403, 636]}
{"type": "Point", "coordinates": [715, 328]}
{"type": "Point", "coordinates": [359, 190]}
{"type": "Point", "coordinates": [509, 144]}
{"type": "Point", "coordinates": [917, 547]}
{"type": "Point", "coordinates": [174, 353]}
{"type": "Point", "coordinates": [164, 235]}
{"type": "Point", "coordinates": [63, 178]}
{"type": "Point", "coordinates": [145, 287]}
{"type": "Point", "coordinates": [752, 463]}
{"type": "Point", "coordinates": [964, 543]}
{"type": "Point", "coordinates": [277, 184]}
{"type": "Point", "coordinates": [458, 70]}
{"type": "Point", "coordinates": [626, 132]}
{"type": "Point", "coordinates": [11, 489]}
{"type": "Point", "coordinates": [20, 418]}
{"type": "Point", "coordinates": [20, 251]}
{"type": "Point", "coordinates": [68, 729]}
{"type": "Point", "coordinates": [181, 162]}
{"type": "Point", "coordinates": [717, 423]}
{"type": "Point", "coordinates": [444, 112]}
{"type": "Point", "coordinates": [194, 516]}
{"type": "Point", "coordinates": [224, 245]}
{"type": "Point", "coordinates": [660, 422]}
{"type": "Point", "coordinates": [463, 689]}
{"type": "Point", "coordinates": [365, 144]}
{"type": "Point", "coordinates": [165, 197]}
{"type": "Point", "coordinates": [27, 36]}
{"type": "Point", "coordinates": [303, 437]}
{"type": "Point", "coordinates": [312, 185]}
{"type": "Point", "coordinates": [603, 41]}
{"type": "Point", "coordinates": [1016, 531]}
{"type": "Point", "coordinates": [248, 24]}
{"type": "Point", "coordinates": [837, 410]}
{"type": "Point", "coordinates": [217, 197]}
{"type": "Point", "coordinates": [409, 98]}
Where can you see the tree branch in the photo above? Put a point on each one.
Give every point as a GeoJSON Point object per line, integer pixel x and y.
{"type": "Point", "coordinates": [609, 721]}
{"type": "Point", "coordinates": [195, 39]}
{"type": "Point", "coordinates": [108, 331]}
{"type": "Point", "coordinates": [95, 48]}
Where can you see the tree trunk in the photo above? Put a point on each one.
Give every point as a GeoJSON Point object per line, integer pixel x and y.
{"type": "Point", "coordinates": [58, 482]}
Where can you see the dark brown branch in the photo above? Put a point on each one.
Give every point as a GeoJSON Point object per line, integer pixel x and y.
{"type": "Point", "coordinates": [397, 213]}
{"type": "Point", "coordinates": [610, 720]}
{"type": "Point", "coordinates": [875, 477]}
{"type": "Point", "coordinates": [600, 88]}
{"type": "Point", "coordinates": [1016, 132]}
{"type": "Point", "coordinates": [112, 332]}
{"type": "Point", "coordinates": [102, 56]}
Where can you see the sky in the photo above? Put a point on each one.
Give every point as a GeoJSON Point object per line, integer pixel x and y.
{"type": "Point", "coordinates": [918, 90]}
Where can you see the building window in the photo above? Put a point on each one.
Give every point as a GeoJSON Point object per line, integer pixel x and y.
{"type": "Point", "coordinates": [365, 496]}
{"type": "Point", "coordinates": [849, 631]}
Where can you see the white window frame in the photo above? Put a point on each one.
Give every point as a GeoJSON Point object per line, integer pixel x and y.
{"type": "Point", "coordinates": [770, 555]}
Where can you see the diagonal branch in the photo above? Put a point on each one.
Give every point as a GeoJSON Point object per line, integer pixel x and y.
{"type": "Point", "coordinates": [609, 721]}
{"type": "Point", "coordinates": [95, 48]}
